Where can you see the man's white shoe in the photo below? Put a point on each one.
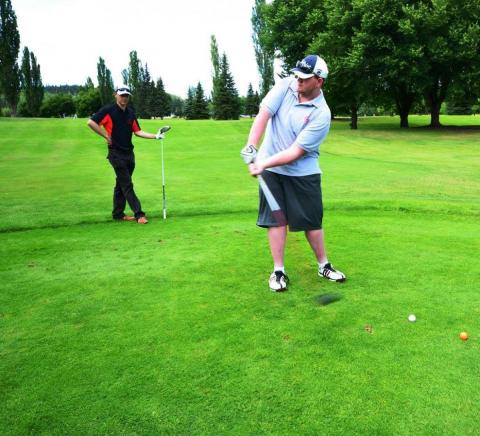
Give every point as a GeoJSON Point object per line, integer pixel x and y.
{"type": "Point", "coordinates": [278, 281]}
{"type": "Point", "coordinates": [330, 273]}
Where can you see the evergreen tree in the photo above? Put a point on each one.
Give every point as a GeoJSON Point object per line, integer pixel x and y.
{"type": "Point", "coordinates": [62, 89]}
{"type": "Point", "coordinates": [189, 108]}
{"type": "Point", "coordinates": [9, 49]}
{"type": "Point", "coordinates": [226, 104]}
{"type": "Point", "coordinates": [177, 105]}
{"type": "Point", "coordinates": [105, 82]}
{"type": "Point", "coordinates": [143, 97]}
{"type": "Point", "coordinates": [200, 104]}
{"type": "Point", "coordinates": [152, 100]}
{"type": "Point", "coordinates": [251, 102]}
{"type": "Point", "coordinates": [163, 100]}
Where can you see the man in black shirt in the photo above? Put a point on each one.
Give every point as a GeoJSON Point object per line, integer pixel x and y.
{"type": "Point", "coordinates": [119, 121]}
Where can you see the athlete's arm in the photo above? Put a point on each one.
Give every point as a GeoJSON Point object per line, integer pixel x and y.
{"type": "Point", "coordinates": [258, 127]}
{"type": "Point", "coordinates": [99, 131]}
{"type": "Point", "coordinates": [146, 135]}
{"type": "Point", "coordinates": [284, 157]}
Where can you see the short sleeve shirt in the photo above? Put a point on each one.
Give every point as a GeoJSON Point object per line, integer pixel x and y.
{"type": "Point", "coordinates": [119, 124]}
{"type": "Point", "coordinates": [307, 124]}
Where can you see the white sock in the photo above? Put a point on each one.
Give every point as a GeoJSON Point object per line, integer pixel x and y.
{"type": "Point", "coordinates": [279, 268]}
{"type": "Point", "coordinates": [321, 265]}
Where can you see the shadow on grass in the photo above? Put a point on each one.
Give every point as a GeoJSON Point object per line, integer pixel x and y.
{"type": "Point", "coordinates": [345, 207]}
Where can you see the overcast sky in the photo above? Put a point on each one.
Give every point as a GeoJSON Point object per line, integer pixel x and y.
{"type": "Point", "coordinates": [173, 37]}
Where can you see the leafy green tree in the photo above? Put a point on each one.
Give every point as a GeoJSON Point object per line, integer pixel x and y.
{"type": "Point", "coordinates": [105, 82]}
{"type": "Point", "coordinates": [26, 83]}
{"type": "Point", "coordinates": [347, 84]}
{"type": "Point", "coordinates": [390, 51]}
{"type": "Point", "coordinates": [133, 75]}
{"type": "Point", "coordinates": [226, 105]}
{"type": "Point", "coordinates": [263, 55]}
{"type": "Point", "coordinates": [290, 26]}
{"type": "Point", "coordinates": [89, 83]}
{"type": "Point", "coordinates": [9, 49]}
{"type": "Point", "coordinates": [31, 82]}
{"type": "Point", "coordinates": [37, 87]}
{"type": "Point", "coordinates": [215, 57]}
{"type": "Point", "coordinates": [58, 105]}
{"type": "Point", "coordinates": [125, 77]}
{"type": "Point", "coordinates": [87, 102]}
{"type": "Point", "coordinates": [449, 35]}
{"type": "Point", "coordinates": [251, 102]}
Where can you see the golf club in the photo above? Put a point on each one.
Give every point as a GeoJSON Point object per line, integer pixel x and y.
{"type": "Point", "coordinates": [277, 213]}
{"type": "Point", "coordinates": [248, 155]}
{"type": "Point", "coordinates": [162, 132]}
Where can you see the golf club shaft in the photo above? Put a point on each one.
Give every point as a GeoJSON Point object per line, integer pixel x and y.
{"type": "Point", "coordinates": [268, 194]}
{"type": "Point", "coordinates": [277, 213]}
{"type": "Point", "coordinates": [163, 186]}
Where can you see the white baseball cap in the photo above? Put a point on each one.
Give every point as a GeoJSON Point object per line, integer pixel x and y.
{"type": "Point", "coordinates": [310, 66]}
{"type": "Point", "coordinates": [123, 90]}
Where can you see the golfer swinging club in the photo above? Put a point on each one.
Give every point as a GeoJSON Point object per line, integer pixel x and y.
{"type": "Point", "coordinates": [119, 121]}
{"type": "Point", "coordinates": [296, 119]}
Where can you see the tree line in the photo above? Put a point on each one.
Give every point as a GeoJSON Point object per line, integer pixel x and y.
{"type": "Point", "coordinates": [385, 57]}
{"type": "Point", "coordinates": [23, 93]}
{"type": "Point", "coordinates": [394, 55]}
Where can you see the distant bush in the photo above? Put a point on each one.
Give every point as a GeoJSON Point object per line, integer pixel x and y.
{"type": "Point", "coordinates": [5, 112]}
{"type": "Point", "coordinates": [58, 105]}
{"type": "Point", "coordinates": [88, 102]}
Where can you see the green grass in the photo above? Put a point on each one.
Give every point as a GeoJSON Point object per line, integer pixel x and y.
{"type": "Point", "coordinates": [169, 328]}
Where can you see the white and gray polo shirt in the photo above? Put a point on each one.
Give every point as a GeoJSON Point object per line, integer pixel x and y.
{"type": "Point", "coordinates": [306, 123]}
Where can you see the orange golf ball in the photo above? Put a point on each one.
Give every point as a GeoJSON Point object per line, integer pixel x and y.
{"type": "Point", "coordinates": [463, 336]}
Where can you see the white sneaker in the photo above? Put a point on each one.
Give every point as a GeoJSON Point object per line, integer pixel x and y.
{"type": "Point", "coordinates": [330, 273]}
{"type": "Point", "coordinates": [278, 281]}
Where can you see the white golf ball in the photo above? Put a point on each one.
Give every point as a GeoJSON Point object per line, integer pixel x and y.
{"type": "Point", "coordinates": [412, 318]}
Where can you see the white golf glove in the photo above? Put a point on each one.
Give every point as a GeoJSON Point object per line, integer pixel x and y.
{"type": "Point", "coordinates": [248, 154]}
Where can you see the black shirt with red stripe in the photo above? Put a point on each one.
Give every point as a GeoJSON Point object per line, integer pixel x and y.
{"type": "Point", "coordinates": [119, 124]}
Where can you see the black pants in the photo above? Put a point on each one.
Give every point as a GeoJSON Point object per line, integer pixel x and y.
{"type": "Point", "coordinates": [124, 165]}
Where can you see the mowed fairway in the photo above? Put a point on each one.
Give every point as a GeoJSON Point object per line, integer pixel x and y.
{"type": "Point", "coordinates": [169, 328]}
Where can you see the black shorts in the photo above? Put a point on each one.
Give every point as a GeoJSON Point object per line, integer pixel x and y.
{"type": "Point", "coordinates": [300, 198]}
